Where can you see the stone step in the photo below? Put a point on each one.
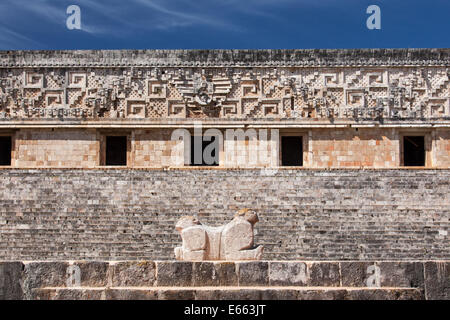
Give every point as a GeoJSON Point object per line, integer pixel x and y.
{"type": "Point", "coordinates": [19, 280]}
{"type": "Point", "coordinates": [200, 274]}
{"type": "Point", "coordinates": [227, 293]}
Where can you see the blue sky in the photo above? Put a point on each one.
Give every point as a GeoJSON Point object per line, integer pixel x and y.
{"type": "Point", "coordinates": [227, 24]}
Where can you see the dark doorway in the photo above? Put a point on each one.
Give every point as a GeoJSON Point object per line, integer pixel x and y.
{"type": "Point", "coordinates": [414, 151]}
{"type": "Point", "coordinates": [5, 151]}
{"type": "Point", "coordinates": [292, 151]}
{"type": "Point", "coordinates": [201, 160]}
{"type": "Point", "coordinates": [116, 151]}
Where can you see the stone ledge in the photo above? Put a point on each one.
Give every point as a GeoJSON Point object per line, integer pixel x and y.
{"type": "Point", "coordinates": [32, 280]}
{"type": "Point", "coordinates": [244, 293]}
{"type": "Point", "coordinates": [221, 58]}
{"type": "Point", "coordinates": [14, 124]}
{"type": "Point", "coordinates": [215, 168]}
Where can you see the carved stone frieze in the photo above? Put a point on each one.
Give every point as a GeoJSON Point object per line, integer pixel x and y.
{"type": "Point", "coordinates": [239, 91]}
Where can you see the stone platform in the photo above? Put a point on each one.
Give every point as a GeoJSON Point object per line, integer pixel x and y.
{"type": "Point", "coordinates": [261, 280]}
{"type": "Point", "coordinates": [305, 214]}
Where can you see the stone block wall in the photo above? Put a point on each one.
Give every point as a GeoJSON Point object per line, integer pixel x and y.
{"type": "Point", "coordinates": [355, 148]}
{"type": "Point", "coordinates": [154, 148]}
{"type": "Point", "coordinates": [441, 148]}
{"type": "Point", "coordinates": [322, 148]}
{"type": "Point", "coordinates": [56, 148]}
{"type": "Point", "coordinates": [124, 214]}
{"type": "Point", "coordinates": [251, 148]}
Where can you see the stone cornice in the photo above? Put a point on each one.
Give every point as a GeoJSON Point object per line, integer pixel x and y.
{"type": "Point", "coordinates": [226, 58]}
{"type": "Point", "coordinates": [219, 124]}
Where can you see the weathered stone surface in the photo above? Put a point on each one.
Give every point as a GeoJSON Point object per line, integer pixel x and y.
{"type": "Point", "coordinates": [237, 294]}
{"type": "Point", "coordinates": [176, 294]}
{"type": "Point", "coordinates": [279, 294]}
{"type": "Point", "coordinates": [204, 274]}
{"type": "Point", "coordinates": [386, 294]}
{"type": "Point", "coordinates": [354, 274]}
{"type": "Point", "coordinates": [93, 274]}
{"type": "Point", "coordinates": [171, 273]}
{"type": "Point", "coordinates": [140, 222]}
{"type": "Point", "coordinates": [382, 274]}
{"type": "Point", "coordinates": [214, 274]}
{"type": "Point", "coordinates": [288, 274]}
{"type": "Point", "coordinates": [133, 274]}
{"type": "Point", "coordinates": [402, 274]}
{"type": "Point", "coordinates": [44, 274]}
{"type": "Point", "coordinates": [69, 294]}
{"type": "Point", "coordinates": [227, 294]}
{"type": "Point", "coordinates": [131, 294]}
{"type": "Point", "coordinates": [42, 294]}
{"type": "Point", "coordinates": [80, 294]}
{"type": "Point", "coordinates": [227, 273]}
{"type": "Point", "coordinates": [323, 274]}
{"type": "Point", "coordinates": [210, 294]}
{"type": "Point", "coordinates": [437, 280]}
{"type": "Point", "coordinates": [208, 58]}
{"type": "Point", "coordinates": [276, 280]}
{"type": "Point", "coordinates": [324, 294]}
{"type": "Point", "coordinates": [253, 273]}
{"type": "Point", "coordinates": [232, 242]}
{"type": "Point", "coordinates": [11, 280]}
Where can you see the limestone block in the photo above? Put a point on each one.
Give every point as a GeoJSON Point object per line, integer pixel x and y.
{"type": "Point", "coordinates": [323, 274]}
{"type": "Point", "coordinates": [386, 294]}
{"type": "Point", "coordinates": [171, 273]}
{"type": "Point", "coordinates": [288, 274]}
{"type": "Point", "coordinates": [322, 294]}
{"type": "Point", "coordinates": [253, 273]}
{"type": "Point", "coordinates": [233, 241]}
{"type": "Point", "coordinates": [382, 274]}
{"type": "Point", "coordinates": [133, 274]}
{"type": "Point", "coordinates": [402, 274]}
{"type": "Point", "coordinates": [214, 274]}
{"type": "Point", "coordinates": [355, 274]}
{"type": "Point", "coordinates": [44, 274]}
{"type": "Point", "coordinates": [232, 294]}
{"type": "Point", "coordinates": [169, 294]}
{"type": "Point", "coordinates": [69, 294]}
{"type": "Point", "coordinates": [437, 280]}
{"type": "Point", "coordinates": [92, 274]}
{"type": "Point", "coordinates": [283, 294]}
{"type": "Point", "coordinates": [10, 281]}
{"type": "Point", "coordinates": [227, 274]}
{"type": "Point", "coordinates": [131, 294]}
{"type": "Point", "coordinates": [210, 294]}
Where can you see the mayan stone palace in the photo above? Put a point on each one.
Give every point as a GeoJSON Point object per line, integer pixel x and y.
{"type": "Point", "coordinates": [147, 169]}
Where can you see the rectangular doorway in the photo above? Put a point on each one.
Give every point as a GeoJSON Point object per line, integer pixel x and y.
{"type": "Point", "coordinates": [414, 151]}
{"type": "Point", "coordinates": [116, 151]}
{"type": "Point", "coordinates": [5, 150]}
{"type": "Point", "coordinates": [292, 151]}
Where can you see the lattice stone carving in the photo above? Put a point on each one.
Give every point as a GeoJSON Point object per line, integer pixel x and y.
{"type": "Point", "coordinates": [367, 93]}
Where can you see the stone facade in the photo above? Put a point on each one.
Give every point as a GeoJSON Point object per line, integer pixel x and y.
{"type": "Point", "coordinates": [322, 148]}
{"type": "Point", "coordinates": [353, 116]}
{"type": "Point", "coordinates": [352, 107]}
{"type": "Point", "coordinates": [60, 148]}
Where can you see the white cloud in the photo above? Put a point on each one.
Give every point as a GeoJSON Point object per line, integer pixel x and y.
{"type": "Point", "coordinates": [11, 40]}
{"type": "Point", "coordinates": [122, 18]}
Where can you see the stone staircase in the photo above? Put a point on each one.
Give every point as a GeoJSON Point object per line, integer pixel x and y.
{"type": "Point", "coordinates": [257, 280]}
